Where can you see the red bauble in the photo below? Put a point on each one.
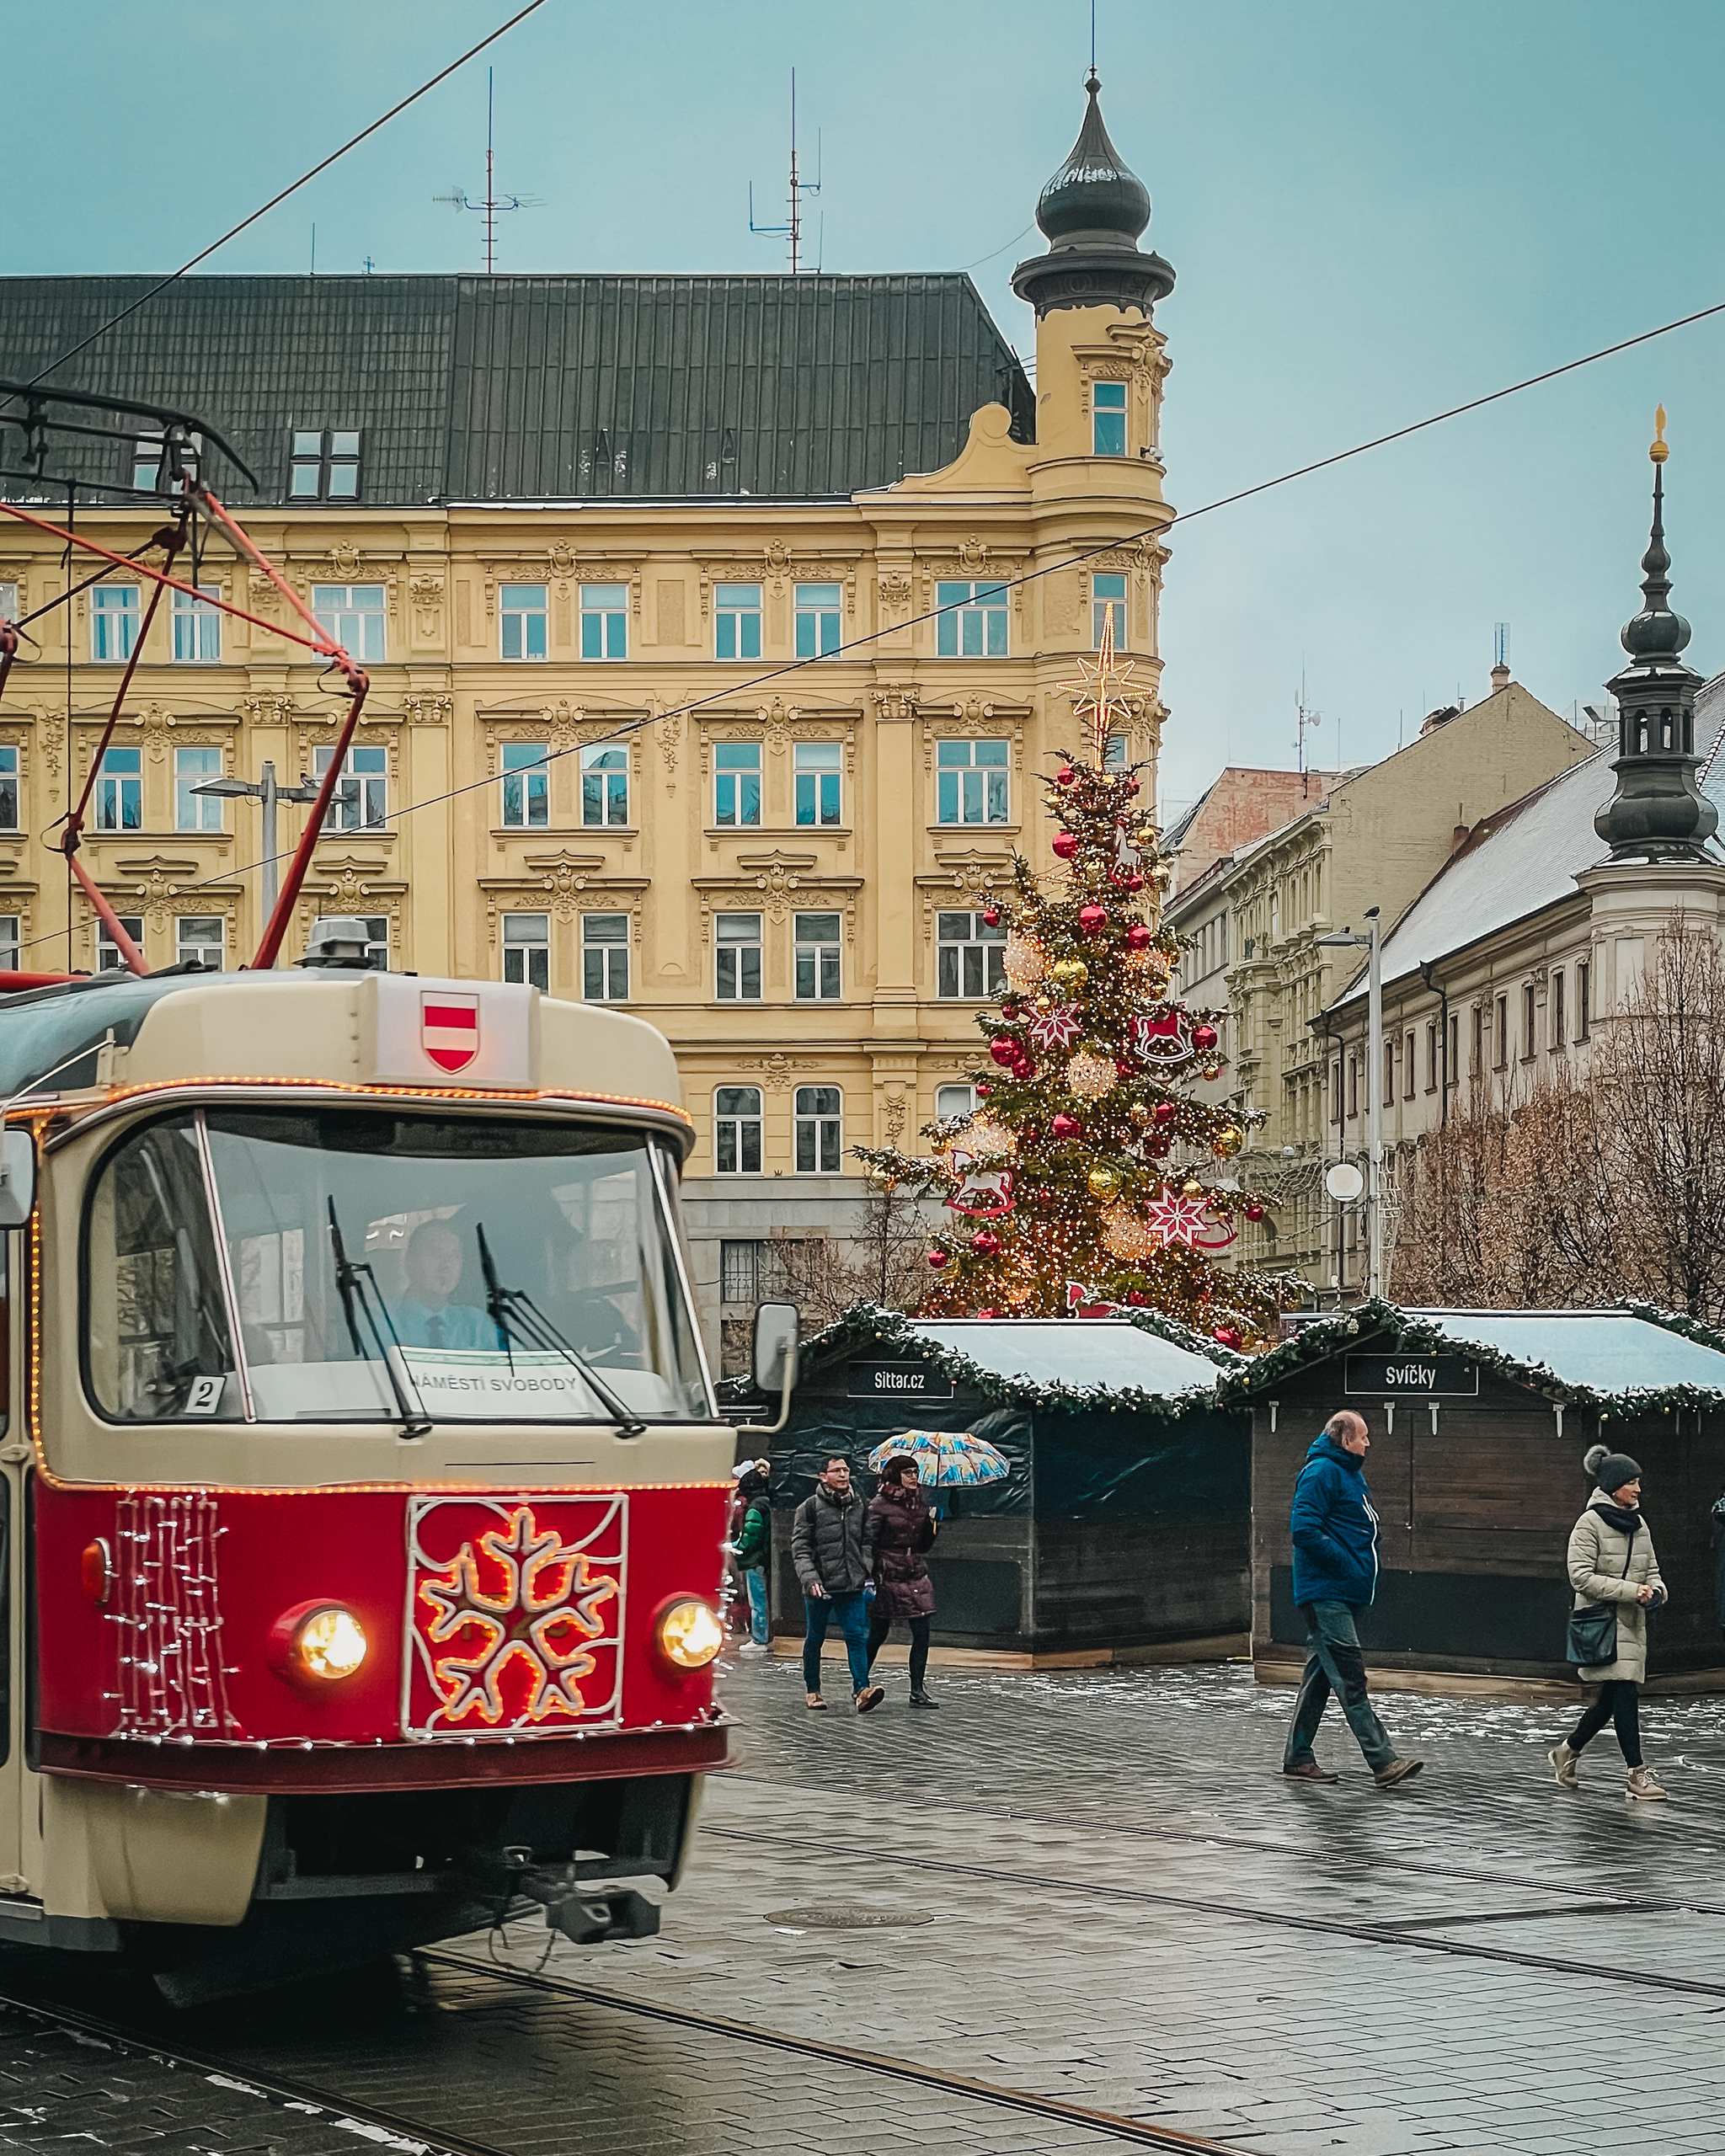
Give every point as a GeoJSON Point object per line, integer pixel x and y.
{"type": "Point", "coordinates": [1065, 776]}
{"type": "Point", "coordinates": [991, 914]}
{"type": "Point", "coordinates": [988, 1313]}
{"type": "Point", "coordinates": [981, 1091]}
{"type": "Point", "coordinates": [1254, 1211]}
{"type": "Point", "coordinates": [1159, 1147]}
{"type": "Point", "coordinates": [1165, 1111]}
{"type": "Point", "coordinates": [1005, 1052]}
{"type": "Point", "coordinates": [1202, 1038]}
{"type": "Point", "coordinates": [1131, 786]}
{"type": "Point", "coordinates": [1138, 936]}
{"type": "Point", "coordinates": [936, 1258]}
{"type": "Point", "coordinates": [1230, 1336]}
{"type": "Point", "coordinates": [1093, 918]}
{"type": "Point", "coordinates": [1065, 1126]}
{"type": "Point", "coordinates": [1134, 882]}
{"type": "Point", "coordinates": [1137, 1297]}
{"type": "Point", "coordinates": [985, 1242]}
{"type": "Point", "coordinates": [1024, 1071]}
{"type": "Point", "coordinates": [1065, 844]}
{"type": "Point", "coordinates": [1125, 1067]}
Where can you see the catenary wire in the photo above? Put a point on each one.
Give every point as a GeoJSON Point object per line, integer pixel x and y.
{"type": "Point", "coordinates": [1005, 583]}
{"type": "Point", "coordinates": [293, 188]}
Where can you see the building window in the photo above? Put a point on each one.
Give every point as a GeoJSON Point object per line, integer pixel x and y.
{"type": "Point", "coordinates": [971, 777]}
{"type": "Point", "coordinates": [971, 958]}
{"type": "Point", "coordinates": [1389, 1046]}
{"type": "Point", "coordinates": [1478, 1061]}
{"type": "Point", "coordinates": [605, 621]}
{"type": "Point", "coordinates": [108, 957]}
{"type": "Point", "coordinates": [1336, 1092]}
{"type": "Point", "coordinates": [1500, 1045]}
{"type": "Point", "coordinates": [197, 628]}
{"type": "Point", "coordinates": [376, 928]}
{"type": "Point", "coordinates": [527, 786]}
{"type": "Point", "coordinates": [817, 951]}
{"type": "Point", "coordinates": [1114, 753]}
{"type": "Point", "coordinates": [736, 621]}
{"type": "Point", "coordinates": [114, 622]}
{"type": "Point", "coordinates": [361, 801]}
{"type": "Point", "coordinates": [323, 465]}
{"type": "Point", "coordinates": [605, 785]}
{"type": "Point", "coordinates": [353, 614]}
{"type": "Point", "coordinates": [1452, 1051]}
{"type": "Point", "coordinates": [1107, 598]}
{"type": "Point", "coordinates": [737, 955]}
{"type": "Point", "coordinates": [818, 781]}
{"type": "Point", "coordinates": [739, 1272]}
{"type": "Point", "coordinates": [736, 1130]}
{"type": "Point", "coordinates": [817, 1119]}
{"type": "Point", "coordinates": [527, 949]}
{"type": "Point", "coordinates": [200, 939]}
{"type": "Point", "coordinates": [8, 942]}
{"type": "Point", "coordinates": [1558, 1036]}
{"type": "Point", "coordinates": [950, 1101]}
{"type": "Point", "coordinates": [523, 609]}
{"type": "Point", "coordinates": [1353, 1087]}
{"type": "Point", "coordinates": [1529, 1039]}
{"type": "Point", "coordinates": [8, 602]}
{"type": "Point", "coordinates": [1431, 1056]}
{"type": "Point", "coordinates": [974, 625]}
{"type": "Point", "coordinates": [1107, 418]}
{"type": "Point", "coordinates": [1407, 1063]}
{"type": "Point", "coordinates": [120, 791]}
{"type": "Point", "coordinates": [194, 811]}
{"type": "Point", "coordinates": [1584, 990]}
{"type": "Point", "coordinates": [818, 633]}
{"type": "Point", "coordinates": [146, 463]}
{"type": "Point", "coordinates": [8, 789]}
{"type": "Point", "coordinates": [605, 957]}
{"type": "Point", "coordinates": [736, 782]}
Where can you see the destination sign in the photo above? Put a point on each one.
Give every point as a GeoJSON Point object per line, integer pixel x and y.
{"type": "Point", "coordinates": [1403, 1377]}
{"type": "Point", "coordinates": [898, 1381]}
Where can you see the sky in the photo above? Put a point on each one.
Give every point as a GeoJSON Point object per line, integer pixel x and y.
{"type": "Point", "coordinates": [1376, 209]}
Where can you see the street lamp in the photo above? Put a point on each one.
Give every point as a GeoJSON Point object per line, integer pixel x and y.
{"type": "Point", "coordinates": [268, 793]}
{"type": "Point", "coordinates": [1340, 938]}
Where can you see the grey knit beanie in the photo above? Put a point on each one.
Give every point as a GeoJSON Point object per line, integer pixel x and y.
{"type": "Point", "coordinates": [1609, 1470]}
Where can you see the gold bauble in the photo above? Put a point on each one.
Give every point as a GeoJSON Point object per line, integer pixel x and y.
{"type": "Point", "coordinates": [1103, 1182]}
{"type": "Point", "coordinates": [1069, 973]}
{"type": "Point", "coordinates": [1192, 1188]}
{"type": "Point", "coordinates": [1228, 1142]}
{"type": "Point", "coordinates": [1025, 960]}
{"type": "Point", "coordinates": [1090, 1077]}
{"type": "Point", "coordinates": [1139, 1112]}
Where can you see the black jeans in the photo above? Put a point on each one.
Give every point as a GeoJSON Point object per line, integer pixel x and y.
{"type": "Point", "coordinates": [1619, 1702]}
{"type": "Point", "coordinates": [880, 1626]}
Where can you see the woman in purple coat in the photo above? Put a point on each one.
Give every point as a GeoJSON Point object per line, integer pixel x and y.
{"type": "Point", "coordinates": [900, 1529]}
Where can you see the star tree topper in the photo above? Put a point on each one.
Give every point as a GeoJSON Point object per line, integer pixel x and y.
{"type": "Point", "coordinates": [1103, 693]}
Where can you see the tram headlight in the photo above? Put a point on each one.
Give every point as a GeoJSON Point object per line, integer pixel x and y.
{"type": "Point", "coordinates": [689, 1634]}
{"type": "Point", "coordinates": [320, 1642]}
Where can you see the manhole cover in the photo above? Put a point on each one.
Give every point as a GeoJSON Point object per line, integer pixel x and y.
{"type": "Point", "coordinates": [839, 1916]}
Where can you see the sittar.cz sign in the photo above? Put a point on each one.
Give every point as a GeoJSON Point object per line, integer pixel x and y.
{"type": "Point", "coordinates": [1420, 1377]}
{"type": "Point", "coordinates": [897, 1381]}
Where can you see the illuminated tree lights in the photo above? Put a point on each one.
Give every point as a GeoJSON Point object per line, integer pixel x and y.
{"type": "Point", "coordinates": [1111, 1170]}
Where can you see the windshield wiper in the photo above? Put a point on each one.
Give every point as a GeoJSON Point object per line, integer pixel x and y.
{"type": "Point", "coordinates": [357, 1284]}
{"type": "Point", "coordinates": [517, 1317]}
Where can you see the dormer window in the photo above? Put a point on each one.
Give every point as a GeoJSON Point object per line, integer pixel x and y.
{"type": "Point", "coordinates": [324, 464]}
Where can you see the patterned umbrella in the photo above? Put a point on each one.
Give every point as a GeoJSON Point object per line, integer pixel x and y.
{"type": "Point", "coordinates": [946, 1457]}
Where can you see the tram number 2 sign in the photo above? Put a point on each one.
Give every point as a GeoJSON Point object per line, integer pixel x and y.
{"type": "Point", "coordinates": [514, 1619]}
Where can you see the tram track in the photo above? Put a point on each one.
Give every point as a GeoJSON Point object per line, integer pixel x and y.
{"type": "Point", "coordinates": [1384, 1934]}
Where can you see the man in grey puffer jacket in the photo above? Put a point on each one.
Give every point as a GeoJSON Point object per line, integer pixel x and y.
{"type": "Point", "coordinates": [830, 1538]}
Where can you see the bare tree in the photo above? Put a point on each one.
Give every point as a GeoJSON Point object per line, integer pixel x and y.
{"type": "Point", "coordinates": [880, 1262]}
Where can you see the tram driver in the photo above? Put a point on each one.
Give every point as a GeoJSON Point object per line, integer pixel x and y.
{"type": "Point", "coordinates": [426, 1316]}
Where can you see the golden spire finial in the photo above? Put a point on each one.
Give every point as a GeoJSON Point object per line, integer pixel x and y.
{"type": "Point", "coordinates": [1661, 449]}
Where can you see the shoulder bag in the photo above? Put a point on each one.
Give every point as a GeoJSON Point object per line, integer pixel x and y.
{"type": "Point", "coordinates": [1593, 1628]}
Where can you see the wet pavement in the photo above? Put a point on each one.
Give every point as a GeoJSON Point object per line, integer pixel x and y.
{"type": "Point", "coordinates": [1098, 1889]}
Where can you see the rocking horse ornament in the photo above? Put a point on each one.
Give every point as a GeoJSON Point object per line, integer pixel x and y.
{"type": "Point", "coordinates": [984, 1194]}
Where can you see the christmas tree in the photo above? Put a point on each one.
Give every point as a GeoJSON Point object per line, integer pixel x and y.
{"type": "Point", "coordinates": [1088, 1174]}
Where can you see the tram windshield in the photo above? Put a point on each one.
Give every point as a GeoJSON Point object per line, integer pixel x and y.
{"type": "Point", "coordinates": [326, 1265]}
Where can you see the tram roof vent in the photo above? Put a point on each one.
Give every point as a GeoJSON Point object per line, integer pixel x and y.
{"type": "Point", "coordinates": [338, 939]}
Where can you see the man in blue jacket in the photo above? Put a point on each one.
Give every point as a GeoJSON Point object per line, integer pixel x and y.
{"type": "Point", "coordinates": [1336, 1572]}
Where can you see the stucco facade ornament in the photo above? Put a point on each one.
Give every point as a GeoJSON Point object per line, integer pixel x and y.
{"type": "Point", "coordinates": [896, 699]}
{"type": "Point", "coordinates": [777, 1071]}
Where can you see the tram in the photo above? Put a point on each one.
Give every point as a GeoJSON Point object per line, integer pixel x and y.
{"type": "Point", "coordinates": [361, 1482]}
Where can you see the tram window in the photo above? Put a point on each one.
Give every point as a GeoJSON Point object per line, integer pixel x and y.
{"type": "Point", "coordinates": [157, 1327]}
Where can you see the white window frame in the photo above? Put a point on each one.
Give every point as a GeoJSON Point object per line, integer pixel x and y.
{"type": "Point", "coordinates": [203, 946]}
{"type": "Point", "coordinates": [525, 770]}
{"type": "Point", "coordinates": [954, 775]}
{"type": "Point", "coordinates": [738, 1129]}
{"type": "Point", "coordinates": [729, 771]}
{"type": "Point", "coordinates": [366, 808]}
{"type": "Point", "coordinates": [817, 1130]}
{"type": "Point", "coordinates": [525, 619]}
{"type": "Point", "coordinates": [735, 938]}
{"type": "Point", "coordinates": [113, 785]}
{"type": "Point", "coordinates": [11, 793]}
{"type": "Point", "coordinates": [978, 966]}
{"type": "Point", "coordinates": [114, 617]}
{"type": "Point", "coordinates": [818, 955]}
{"type": "Point", "coordinates": [604, 622]}
{"type": "Point", "coordinates": [353, 614]}
{"type": "Point", "coordinates": [197, 628]}
{"type": "Point", "coordinates": [736, 621]}
{"type": "Point", "coordinates": [818, 779]}
{"type": "Point", "coordinates": [820, 626]}
{"type": "Point", "coordinates": [1107, 418]}
{"type": "Point", "coordinates": [108, 957]}
{"type": "Point", "coordinates": [604, 786]}
{"type": "Point", "coordinates": [605, 957]}
{"type": "Point", "coordinates": [527, 949]}
{"type": "Point", "coordinates": [196, 812]}
{"type": "Point", "coordinates": [974, 624]}
{"type": "Point", "coordinates": [953, 1101]}
{"type": "Point", "coordinates": [1108, 594]}
{"type": "Point", "coordinates": [11, 930]}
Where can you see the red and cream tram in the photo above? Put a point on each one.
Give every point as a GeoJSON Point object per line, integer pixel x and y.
{"type": "Point", "coordinates": [363, 1486]}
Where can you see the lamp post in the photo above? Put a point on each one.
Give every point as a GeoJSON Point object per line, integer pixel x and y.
{"type": "Point", "coordinates": [1374, 1092]}
{"type": "Point", "coordinates": [266, 791]}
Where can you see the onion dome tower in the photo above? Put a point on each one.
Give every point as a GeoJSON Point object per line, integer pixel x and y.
{"type": "Point", "coordinates": [1092, 212]}
{"type": "Point", "coordinates": [1657, 813]}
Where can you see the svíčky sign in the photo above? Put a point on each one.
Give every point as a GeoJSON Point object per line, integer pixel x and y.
{"type": "Point", "coordinates": [897, 1381]}
{"type": "Point", "coordinates": [1412, 1377]}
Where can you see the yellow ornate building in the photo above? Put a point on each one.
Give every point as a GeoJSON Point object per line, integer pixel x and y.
{"type": "Point", "coordinates": [690, 690]}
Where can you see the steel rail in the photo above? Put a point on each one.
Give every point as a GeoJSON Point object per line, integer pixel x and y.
{"type": "Point", "coordinates": [1136, 2130]}
{"type": "Point", "coordinates": [275, 2087]}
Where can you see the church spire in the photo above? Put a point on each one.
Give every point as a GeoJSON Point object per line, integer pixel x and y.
{"type": "Point", "coordinates": [1091, 212]}
{"type": "Point", "coordinates": [1657, 813]}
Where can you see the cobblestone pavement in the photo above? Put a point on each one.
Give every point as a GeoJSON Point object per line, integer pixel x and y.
{"type": "Point", "coordinates": [1115, 1902]}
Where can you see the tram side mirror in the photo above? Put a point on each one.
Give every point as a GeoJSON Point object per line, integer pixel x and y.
{"type": "Point", "coordinates": [775, 1347]}
{"type": "Point", "coordinates": [18, 1178]}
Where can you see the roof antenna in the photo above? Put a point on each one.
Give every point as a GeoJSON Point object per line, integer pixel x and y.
{"type": "Point", "coordinates": [799, 188]}
{"type": "Point", "coordinates": [1304, 720]}
{"type": "Point", "coordinates": [493, 202]}
{"type": "Point", "coordinates": [1093, 36]}
{"type": "Point", "coordinates": [1500, 658]}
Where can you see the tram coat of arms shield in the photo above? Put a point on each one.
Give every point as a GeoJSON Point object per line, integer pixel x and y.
{"type": "Point", "coordinates": [449, 1028]}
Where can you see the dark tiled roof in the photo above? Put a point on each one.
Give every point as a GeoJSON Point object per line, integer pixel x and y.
{"type": "Point", "coordinates": [500, 389]}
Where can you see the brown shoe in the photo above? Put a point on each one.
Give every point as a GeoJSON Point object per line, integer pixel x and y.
{"type": "Point", "coordinates": [817, 1705]}
{"type": "Point", "coordinates": [869, 1698]}
{"type": "Point", "coordinates": [1399, 1770]}
{"type": "Point", "coordinates": [1309, 1770]}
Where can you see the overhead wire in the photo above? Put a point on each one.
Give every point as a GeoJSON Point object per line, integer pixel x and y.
{"type": "Point", "coordinates": [731, 693]}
